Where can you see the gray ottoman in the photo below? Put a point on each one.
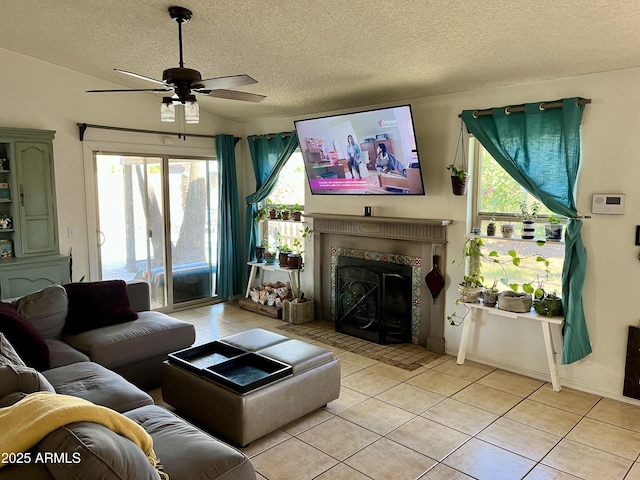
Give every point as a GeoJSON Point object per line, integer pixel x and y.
{"type": "Point", "coordinates": [242, 418]}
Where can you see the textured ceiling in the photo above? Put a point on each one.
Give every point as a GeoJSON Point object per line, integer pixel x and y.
{"type": "Point", "coordinates": [317, 56]}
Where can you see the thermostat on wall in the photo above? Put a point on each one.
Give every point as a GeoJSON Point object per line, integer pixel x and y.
{"type": "Point", "coordinates": [608, 203]}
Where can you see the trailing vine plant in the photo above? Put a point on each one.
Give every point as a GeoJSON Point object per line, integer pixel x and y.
{"type": "Point", "coordinates": [473, 254]}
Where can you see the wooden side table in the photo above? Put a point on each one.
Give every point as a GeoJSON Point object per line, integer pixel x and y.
{"type": "Point", "coordinates": [545, 322]}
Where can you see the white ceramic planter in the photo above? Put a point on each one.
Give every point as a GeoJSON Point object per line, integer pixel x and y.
{"type": "Point", "coordinates": [470, 294]}
{"type": "Point", "coordinates": [507, 230]}
{"type": "Point", "coordinates": [553, 232]}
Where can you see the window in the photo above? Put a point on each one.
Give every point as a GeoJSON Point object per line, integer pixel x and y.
{"type": "Point", "coordinates": [289, 190]}
{"type": "Point", "coordinates": [498, 198]}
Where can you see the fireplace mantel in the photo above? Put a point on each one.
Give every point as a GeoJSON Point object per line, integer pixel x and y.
{"type": "Point", "coordinates": [415, 239]}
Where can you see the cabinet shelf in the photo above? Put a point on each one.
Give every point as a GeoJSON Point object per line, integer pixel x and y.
{"type": "Point", "coordinates": [3, 230]}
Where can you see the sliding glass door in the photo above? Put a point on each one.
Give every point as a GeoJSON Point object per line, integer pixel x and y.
{"type": "Point", "coordinates": [158, 223]}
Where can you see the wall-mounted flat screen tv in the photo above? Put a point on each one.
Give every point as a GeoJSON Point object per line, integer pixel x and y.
{"type": "Point", "coordinates": [363, 153]}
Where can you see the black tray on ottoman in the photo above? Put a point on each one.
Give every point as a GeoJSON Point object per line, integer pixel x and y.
{"type": "Point", "coordinates": [196, 359]}
{"type": "Point", "coordinates": [247, 372]}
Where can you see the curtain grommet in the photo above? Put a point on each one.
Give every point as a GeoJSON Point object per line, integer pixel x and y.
{"type": "Point", "coordinates": [541, 107]}
{"type": "Point", "coordinates": [474, 114]}
{"type": "Point", "coordinates": [507, 111]}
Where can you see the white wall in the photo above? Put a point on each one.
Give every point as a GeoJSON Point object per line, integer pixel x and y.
{"type": "Point", "coordinates": [42, 96]}
{"type": "Point", "coordinates": [610, 165]}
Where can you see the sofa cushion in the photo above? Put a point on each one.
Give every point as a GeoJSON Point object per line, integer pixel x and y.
{"type": "Point", "coordinates": [188, 453]}
{"type": "Point", "coordinates": [16, 378]}
{"type": "Point", "coordinates": [97, 304]}
{"type": "Point", "coordinates": [94, 451]}
{"type": "Point", "coordinates": [98, 385]}
{"type": "Point", "coordinates": [153, 334]}
{"type": "Point", "coordinates": [24, 337]}
{"type": "Point", "coordinates": [46, 310]}
{"type": "Point", "coordinates": [61, 353]}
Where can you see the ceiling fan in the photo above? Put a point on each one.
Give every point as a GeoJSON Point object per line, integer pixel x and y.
{"type": "Point", "coordinates": [186, 81]}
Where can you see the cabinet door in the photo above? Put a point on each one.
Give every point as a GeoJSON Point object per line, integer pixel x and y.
{"type": "Point", "coordinates": [19, 279]}
{"type": "Point", "coordinates": [35, 199]}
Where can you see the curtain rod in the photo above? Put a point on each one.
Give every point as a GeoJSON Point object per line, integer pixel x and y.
{"type": "Point", "coordinates": [271, 135]}
{"type": "Point", "coordinates": [521, 108]}
{"type": "Point", "coordinates": [82, 127]}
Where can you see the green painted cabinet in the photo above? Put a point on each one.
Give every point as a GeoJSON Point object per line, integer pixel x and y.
{"type": "Point", "coordinates": [35, 205]}
{"type": "Point", "coordinates": [29, 250]}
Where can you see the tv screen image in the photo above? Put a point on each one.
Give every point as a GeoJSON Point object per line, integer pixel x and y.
{"type": "Point", "coordinates": [363, 153]}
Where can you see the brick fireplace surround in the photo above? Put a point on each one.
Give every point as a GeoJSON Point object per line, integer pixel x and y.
{"type": "Point", "coordinates": [409, 241]}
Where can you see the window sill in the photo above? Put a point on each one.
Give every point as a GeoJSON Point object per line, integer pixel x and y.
{"type": "Point", "coordinates": [514, 239]}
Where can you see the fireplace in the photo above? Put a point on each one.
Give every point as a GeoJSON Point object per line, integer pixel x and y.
{"type": "Point", "coordinates": [407, 242]}
{"type": "Point", "coordinates": [373, 300]}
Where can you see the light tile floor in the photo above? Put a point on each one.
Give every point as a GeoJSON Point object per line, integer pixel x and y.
{"type": "Point", "coordinates": [440, 422]}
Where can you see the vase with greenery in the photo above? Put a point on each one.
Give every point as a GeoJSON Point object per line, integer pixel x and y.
{"type": "Point", "coordinates": [553, 229]}
{"type": "Point", "coordinates": [529, 215]}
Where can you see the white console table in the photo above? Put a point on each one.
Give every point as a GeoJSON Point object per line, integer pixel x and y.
{"type": "Point", "coordinates": [545, 322]}
{"type": "Point", "coordinates": [270, 267]}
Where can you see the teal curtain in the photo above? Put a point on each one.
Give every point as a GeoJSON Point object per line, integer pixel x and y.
{"type": "Point", "coordinates": [229, 272]}
{"type": "Point", "coordinates": [540, 149]}
{"type": "Point", "coordinates": [269, 153]}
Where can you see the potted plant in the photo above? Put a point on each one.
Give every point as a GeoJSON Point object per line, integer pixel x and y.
{"type": "Point", "coordinates": [296, 213]}
{"type": "Point", "coordinates": [490, 295]}
{"type": "Point", "coordinates": [459, 179]}
{"type": "Point", "coordinates": [263, 214]}
{"type": "Point", "coordinates": [270, 255]}
{"type": "Point", "coordinates": [284, 212]}
{"type": "Point", "coordinates": [553, 229]}
{"type": "Point", "coordinates": [295, 257]}
{"type": "Point", "coordinates": [550, 305]}
{"type": "Point", "coordinates": [273, 209]}
{"type": "Point", "coordinates": [512, 298]}
{"type": "Point", "coordinates": [299, 309]}
{"type": "Point", "coordinates": [529, 214]}
{"type": "Point", "coordinates": [491, 227]}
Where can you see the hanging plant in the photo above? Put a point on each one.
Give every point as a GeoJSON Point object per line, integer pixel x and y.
{"type": "Point", "coordinates": [459, 176]}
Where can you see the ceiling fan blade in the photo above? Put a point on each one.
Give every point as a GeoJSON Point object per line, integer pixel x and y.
{"type": "Point", "coordinates": [137, 75]}
{"type": "Point", "coordinates": [130, 90]}
{"type": "Point", "coordinates": [223, 82]}
{"type": "Point", "coordinates": [233, 95]}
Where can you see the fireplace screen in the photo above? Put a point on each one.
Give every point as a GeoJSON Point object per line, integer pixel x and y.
{"type": "Point", "coordinates": [373, 300]}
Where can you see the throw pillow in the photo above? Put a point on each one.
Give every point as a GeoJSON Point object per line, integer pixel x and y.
{"type": "Point", "coordinates": [15, 378]}
{"type": "Point", "coordinates": [46, 310]}
{"type": "Point", "coordinates": [97, 304]}
{"type": "Point", "coordinates": [26, 340]}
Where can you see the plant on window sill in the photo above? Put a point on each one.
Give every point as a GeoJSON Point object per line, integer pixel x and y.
{"type": "Point", "coordinates": [472, 252]}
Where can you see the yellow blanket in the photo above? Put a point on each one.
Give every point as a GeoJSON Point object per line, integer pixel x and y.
{"type": "Point", "coordinates": [31, 419]}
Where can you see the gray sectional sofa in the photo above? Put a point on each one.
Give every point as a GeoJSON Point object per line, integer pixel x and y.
{"type": "Point", "coordinates": [91, 365]}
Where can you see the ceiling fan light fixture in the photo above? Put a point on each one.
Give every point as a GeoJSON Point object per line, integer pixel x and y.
{"type": "Point", "coordinates": [167, 110]}
{"type": "Point", "coordinates": [191, 110]}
